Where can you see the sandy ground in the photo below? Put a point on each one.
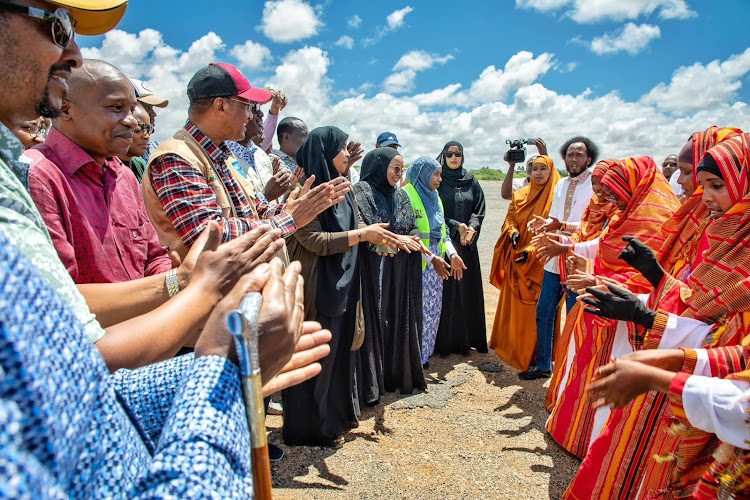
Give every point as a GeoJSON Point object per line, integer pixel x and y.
{"type": "Point", "coordinates": [478, 431]}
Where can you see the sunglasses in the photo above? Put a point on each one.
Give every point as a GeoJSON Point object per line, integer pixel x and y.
{"type": "Point", "coordinates": [62, 24]}
{"type": "Point", "coordinates": [252, 107]}
{"type": "Point", "coordinates": [142, 127]}
{"type": "Point", "coordinates": [669, 164]}
{"type": "Point", "coordinates": [451, 154]}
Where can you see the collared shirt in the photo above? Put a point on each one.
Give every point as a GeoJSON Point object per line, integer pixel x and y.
{"type": "Point", "coordinates": [70, 430]}
{"type": "Point", "coordinates": [22, 224]}
{"type": "Point", "coordinates": [256, 166]}
{"type": "Point", "coordinates": [94, 213]}
{"type": "Point", "coordinates": [286, 160]}
{"type": "Point", "coordinates": [572, 196]}
{"type": "Point", "coordinates": [190, 203]}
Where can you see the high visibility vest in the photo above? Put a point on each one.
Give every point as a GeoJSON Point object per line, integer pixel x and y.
{"type": "Point", "coordinates": [423, 223]}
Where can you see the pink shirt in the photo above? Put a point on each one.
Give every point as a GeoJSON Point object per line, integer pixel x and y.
{"type": "Point", "coordinates": [95, 215]}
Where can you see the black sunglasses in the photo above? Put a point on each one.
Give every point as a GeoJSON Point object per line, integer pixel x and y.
{"type": "Point", "coordinates": [451, 154]}
{"type": "Point", "coordinates": [63, 25]}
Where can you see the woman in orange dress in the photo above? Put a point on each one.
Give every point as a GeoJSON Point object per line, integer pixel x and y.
{"type": "Point", "coordinates": [516, 271]}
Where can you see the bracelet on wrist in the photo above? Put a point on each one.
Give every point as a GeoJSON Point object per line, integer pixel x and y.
{"type": "Point", "coordinates": [173, 283]}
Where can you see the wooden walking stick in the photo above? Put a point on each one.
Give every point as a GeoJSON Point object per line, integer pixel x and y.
{"type": "Point", "coordinates": [243, 325]}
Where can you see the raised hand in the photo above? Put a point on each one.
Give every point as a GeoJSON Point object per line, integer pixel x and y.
{"type": "Point", "coordinates": [305, 204]}
{"type": "Point", "coordinates": [619, 382]}
{"type": "Point", "coordinates": [576, 264]}
{"type": "Point", "coordinates": [541, 146]}
{"type": "Point", "coordinates": [643, 259]}
{"type": "Point", "coordinates": [618, 304]}
{"type": "Point", "coordinates": [311, 347]}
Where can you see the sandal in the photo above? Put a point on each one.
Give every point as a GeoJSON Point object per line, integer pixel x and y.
{"type": "Point", "coordinates": [336, 443]}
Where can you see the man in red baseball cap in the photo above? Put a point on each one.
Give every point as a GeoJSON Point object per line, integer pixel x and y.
{"type": "Point", "coordinates": [193, 178]}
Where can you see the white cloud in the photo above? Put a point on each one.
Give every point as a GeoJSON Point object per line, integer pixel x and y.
{"type": "Point", "coordinates": [407, 68]}
{"type": "Point", "coordinates": [396, 18]}
{"type": "Point", "coordinates": [354, 22]}
{"type": "Point", "coordinates": [522, 69]}
{"type": "Point", "coordinates": [289, 20]}
{"type": "Point", "coordinates": [701, 87]}
{"type": "Point", "coordinates": [631, 39]}
{"type": "Point", "coordinates": [590, 11]}
{"type": "Point", "coordinates": [302, 77]}
{"type": "Point", "coordinates": [251, 55]}
{"type": "Point", "coordinates": [513, 103]}
{"type": "Point", "coordinates": [345, 41]}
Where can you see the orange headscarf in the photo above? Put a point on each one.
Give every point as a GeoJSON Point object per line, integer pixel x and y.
{"type": "Point", "coordinates": [682, 231]}
{"type": "Point", "coordinates": [526, 203]}
{"type": "Point", "coordinates": [722, 280]}
{"type": "Point", "coordinates": [650, 201]}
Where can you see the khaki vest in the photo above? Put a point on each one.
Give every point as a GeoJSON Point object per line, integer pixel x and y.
{"type": "Point", "coordinates": [185, 146]}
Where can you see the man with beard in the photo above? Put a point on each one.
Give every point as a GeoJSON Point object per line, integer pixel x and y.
{"type": "Point", "coordinates": [572, 196]}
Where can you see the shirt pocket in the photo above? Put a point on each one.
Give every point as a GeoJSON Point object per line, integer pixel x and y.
{"type": "Point", "coordinates": [132, 243]}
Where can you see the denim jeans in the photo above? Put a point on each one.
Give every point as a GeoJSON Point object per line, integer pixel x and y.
{"type": "Point", "coordinates": [546, 314]}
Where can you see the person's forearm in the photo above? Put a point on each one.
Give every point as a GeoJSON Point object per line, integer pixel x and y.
{"type": "Point", "coordinates": [114, 303]}
{"type": "Point", "coordinates": [506, 189]}
{"type": "Point", "coordinates": [158, 335]}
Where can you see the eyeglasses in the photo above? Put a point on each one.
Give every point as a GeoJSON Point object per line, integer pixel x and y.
{"type": "Point", "coordinates": [35, 129]}
{"type": "Point", "coordinates": [251, 107]}
{"type": "Point", "coordinates": [397, 170]}
{"type": "Point", "coordinates": [62, 24]}
{"type": "Point", "coordinates": [142, 127]}
{"type": "Point", "coordinates": [451, 154]}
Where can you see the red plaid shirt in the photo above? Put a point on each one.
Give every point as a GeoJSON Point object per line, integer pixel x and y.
{"type": "Point", "coordinates": [94, 214]}
{"type": "Point", "coordinates": [190, 203]}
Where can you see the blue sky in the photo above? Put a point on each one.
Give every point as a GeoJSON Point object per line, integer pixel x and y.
{"type": "Point", "coordinates": [637, 76]}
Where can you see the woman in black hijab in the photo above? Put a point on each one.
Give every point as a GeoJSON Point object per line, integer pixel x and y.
{"type": "Point", "coordinates": [462, 321]}
{"type": "Point", "coordinates": [321, 410]}
{"type": "Point", "coordinates": [390, 357]}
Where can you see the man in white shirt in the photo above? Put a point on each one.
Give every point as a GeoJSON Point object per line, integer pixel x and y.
{"type": "Point", "coordinates": [669, 169]}
{"type": "Point", "coordinates": [572, 196]}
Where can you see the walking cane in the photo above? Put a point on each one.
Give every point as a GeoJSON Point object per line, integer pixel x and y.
{"type": "Point", "coordinates": [243, 325]}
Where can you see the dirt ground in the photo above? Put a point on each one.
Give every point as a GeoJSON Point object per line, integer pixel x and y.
{"type": "Point", "coordinates": [478, 431]}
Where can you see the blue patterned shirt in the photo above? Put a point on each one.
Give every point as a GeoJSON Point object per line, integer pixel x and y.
{"type": "Point", "coordinates": [68, 429]}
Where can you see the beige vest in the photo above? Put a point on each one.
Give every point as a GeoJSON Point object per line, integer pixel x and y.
{"type": "Point", "coordinates": [185, 146]}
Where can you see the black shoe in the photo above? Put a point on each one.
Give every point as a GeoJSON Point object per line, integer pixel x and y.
{"type": "Point", "coordinates": [534, 373]}
{"type": "Point", "coordinates": [275, 454]}
{"type": "Point", "coordinates": [426, 366]}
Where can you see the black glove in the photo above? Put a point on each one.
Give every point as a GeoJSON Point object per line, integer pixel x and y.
{"type": "Point", "coordinates": [643, 259]}
{"type": "Point", "coordinates": [523, 258]}
{"type": "Point", "coordinates": [623, 306]}
{"type": "Point", "coordinates": [514, 238]}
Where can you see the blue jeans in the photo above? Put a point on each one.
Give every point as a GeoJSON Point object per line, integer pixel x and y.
{"type": "Point", "coordinates": [546, 314]}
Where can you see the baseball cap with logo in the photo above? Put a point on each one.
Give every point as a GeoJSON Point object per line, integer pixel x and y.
{"type": "Point", "coordinates": [224, 80]}
{"type": "Point", "coordinates": [145, 95]}
{"type": "Point", "coordinates": [387, 139]}
{"type": "Point", "coordinates": [94, 17]}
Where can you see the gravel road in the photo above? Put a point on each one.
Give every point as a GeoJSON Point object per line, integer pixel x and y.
{"type": "Point", "coordinates": [478, 432]}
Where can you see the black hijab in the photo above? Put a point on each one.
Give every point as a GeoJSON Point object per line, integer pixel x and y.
{"type": "Point", "coordinates": [338, 275]}
{"type": "Point", "coordinates": [458, 177]}
{"type": "Point", "coordinates": [376, 198]}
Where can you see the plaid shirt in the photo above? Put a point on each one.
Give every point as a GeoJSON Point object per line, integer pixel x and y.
{"type": "Point", "coordinates": [190, 203]}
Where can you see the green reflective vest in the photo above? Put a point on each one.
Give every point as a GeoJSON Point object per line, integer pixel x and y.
{"type": "Point", "coordinates": [423, 224]}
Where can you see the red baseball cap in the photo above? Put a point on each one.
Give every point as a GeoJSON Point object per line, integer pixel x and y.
{"type": "Point", "coordinates": [224, 80]}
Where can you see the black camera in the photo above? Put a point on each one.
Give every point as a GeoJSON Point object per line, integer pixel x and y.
{"type": "Point", "coordinates": [517, 151]}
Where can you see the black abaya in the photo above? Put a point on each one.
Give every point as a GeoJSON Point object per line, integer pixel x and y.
{"type": "Point", "coordinates": [390, 357]}
{"type": "Point", "coordinates": [462, 321]}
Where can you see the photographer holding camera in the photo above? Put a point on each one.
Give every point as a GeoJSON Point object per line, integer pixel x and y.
{"type": "Point", "coordinates": [516, 154]}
